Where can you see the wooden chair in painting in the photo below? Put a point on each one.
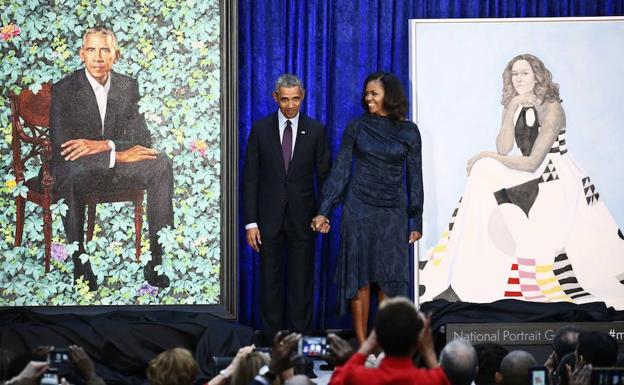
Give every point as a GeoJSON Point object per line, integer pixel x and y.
{"type": "Point", "coordinates": [31, 122]}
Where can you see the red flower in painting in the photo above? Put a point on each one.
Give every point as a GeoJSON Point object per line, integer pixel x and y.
{"type": "Point", "coordinates": [9, 31]}
{"type": "Point", "coordinates": [199, 146]}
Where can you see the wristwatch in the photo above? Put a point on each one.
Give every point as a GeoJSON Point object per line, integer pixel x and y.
{"type": "Point", "coordinates": [264, 371]}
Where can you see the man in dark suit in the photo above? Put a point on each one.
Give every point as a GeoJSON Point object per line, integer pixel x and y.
{"type": "Point", "coordinates": [284, 152]}
{"type": "Point", "coordinates": [100, 142]}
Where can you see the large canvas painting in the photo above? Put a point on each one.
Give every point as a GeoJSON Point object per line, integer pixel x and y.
{"type": "Point", "coordinates": [521, 123]}
{"type": "Point", "coordinates": [179, 53]}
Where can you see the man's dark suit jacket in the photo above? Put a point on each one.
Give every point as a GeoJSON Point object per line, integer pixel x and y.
{"type": "Point", "coordinates": [267, 187]}
{"type": "Point", "coordinates": [74, 115]}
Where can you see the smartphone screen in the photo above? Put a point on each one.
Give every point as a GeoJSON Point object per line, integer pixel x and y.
{"type": "Point", "coordinates": [538, 376]}
{"type": "Point", "coordinates": [59, 360]}
{"type": "Point", "coordinates": [58, 356]}
{"type": "Point", "coordinates": [50, 377]}
{"type": "Point", "coordinates": [310, 346]}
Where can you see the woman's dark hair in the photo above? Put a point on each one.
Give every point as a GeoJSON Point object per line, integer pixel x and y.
{"type": "Point", "coordinates": [490, 356]}
{"type": "Point", "coordinates": [394, 101]}
{"type": "Point", "coordinates": [597, 348]}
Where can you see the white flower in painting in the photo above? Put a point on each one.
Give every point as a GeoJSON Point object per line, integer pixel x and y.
{"type": "Point", "coordinates": [197, 44]}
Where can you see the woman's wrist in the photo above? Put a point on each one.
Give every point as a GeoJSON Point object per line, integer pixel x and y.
{"type": "Point", "coordinates": [227, 372]}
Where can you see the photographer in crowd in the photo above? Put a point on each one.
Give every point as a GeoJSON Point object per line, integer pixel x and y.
{"type": "Point", "coordinates": [30, 369]}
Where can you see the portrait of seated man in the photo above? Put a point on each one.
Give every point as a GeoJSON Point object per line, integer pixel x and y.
{"type": "Point", "coordinates": [100, 142]}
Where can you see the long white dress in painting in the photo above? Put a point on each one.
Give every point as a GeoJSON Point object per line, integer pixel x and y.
{"type": "Point", "coordinates": [544, 236]}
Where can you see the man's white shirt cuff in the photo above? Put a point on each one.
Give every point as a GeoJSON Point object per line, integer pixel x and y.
{"type": "Point", "coordinates": [253, 225]}
{"type": "Point", "coordinates": [111, 145]}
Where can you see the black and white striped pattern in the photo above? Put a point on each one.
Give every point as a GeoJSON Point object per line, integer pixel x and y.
{"type": "Point", "coordinates": [562, 269]}
{"type": "Point", "coordinates": [559, 146]}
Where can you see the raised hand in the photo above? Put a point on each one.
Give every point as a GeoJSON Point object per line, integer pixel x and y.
{"type": "Point", "coordinates": [580, 376]}
{"type": "Point", "coordinates": [369, 345]}
{"type": "Point", "coordinates": [281, 356]}
{"type": "Point", "coordinates": [339, 350]}
{"type": "Point", "coordinates": [425, 342]}
{"type": "Point", "coordinates": [242, 353]}
{"type": "Point", "coordinates": [81, 362]}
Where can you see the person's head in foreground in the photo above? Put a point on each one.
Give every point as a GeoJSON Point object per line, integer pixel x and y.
{"type": "Point", "coordinates": [459, 361]}
{"type": "Point", "coordinates": [490, 356]}
{"type": "Point", "coordinates": [514, 369]}
{"type": "Point", "coordinates": [248, 367]}
{"type": "Point", "coordinates": [398, 325]}
{"type": "Point", "coordinates": [596, 348]}
{"type": "Point", "coordinates": [172, 367]}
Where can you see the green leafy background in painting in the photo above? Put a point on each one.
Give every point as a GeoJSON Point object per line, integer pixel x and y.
{"type": "Point", "coordinates": [172, 48]}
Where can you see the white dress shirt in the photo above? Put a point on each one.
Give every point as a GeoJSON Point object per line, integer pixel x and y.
{"type": "Point", "coordinates": [101, 96]}
{"type": "Point", "coordinates": [281, 122]}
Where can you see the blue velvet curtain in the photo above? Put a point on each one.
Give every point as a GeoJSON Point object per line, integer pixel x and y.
{"type": "Point", "coordinates": [332, 45]}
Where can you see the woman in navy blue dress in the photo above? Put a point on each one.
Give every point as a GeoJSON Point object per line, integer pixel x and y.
{"type": "Point", "coordinates": [378, 175]}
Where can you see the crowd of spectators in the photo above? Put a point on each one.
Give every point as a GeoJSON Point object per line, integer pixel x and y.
{"type": "Point", "coordinates": [399, 350]}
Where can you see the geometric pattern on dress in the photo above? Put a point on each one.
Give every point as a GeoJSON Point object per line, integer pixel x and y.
{"type": "Point", "coordinates": [550, 172]}
{"type": "Point", "coordinates": [620, 277]}
{"type": "Point", "coordinates": [559, 146]}
{"type": "Point", "coordinates": [452, 221]}
{"type": "Point", "coordinates": [620, 234]}
{"type": "Point", "coordinates": [562, 269]}
{"type": "Point", "coordinates": [523, 195]}
{"type": "Point", "coordinates": [513, 283]}
{"type": "Point", "coordinates": [435, 253]}
{"type": "Point", "coordinates": [522, 282]}
{"type": "Point", "coordinates": [554, 282]}
{"type": "Point", "coordinates": [591, 195]}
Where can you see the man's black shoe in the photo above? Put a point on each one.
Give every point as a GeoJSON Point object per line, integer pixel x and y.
{"type": "Point", "coordinates": [153, 278]}
{"type": "Point", "coordinates": [88, 275]}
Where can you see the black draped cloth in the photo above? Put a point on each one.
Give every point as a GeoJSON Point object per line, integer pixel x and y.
{"type": "Point", "coordinates": [121, 343]}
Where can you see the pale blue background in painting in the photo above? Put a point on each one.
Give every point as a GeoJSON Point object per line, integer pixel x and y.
{"type": "Point", "coordinates": [457, 97]}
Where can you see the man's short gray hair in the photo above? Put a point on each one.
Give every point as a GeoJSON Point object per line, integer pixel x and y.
{"type": "Point", "coordinates": [101, 30]}
{"type": "Point", "coordinates": [288, 81]}
{"type": "Point", "coordinates": [459, 361]}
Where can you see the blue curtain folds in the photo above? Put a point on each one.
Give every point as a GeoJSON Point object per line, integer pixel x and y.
{"type": "Point", "coordinates": [332, 45]}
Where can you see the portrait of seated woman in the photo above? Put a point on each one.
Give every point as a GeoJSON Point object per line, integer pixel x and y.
{"type": "Point", "coordinates": [529, 219]}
